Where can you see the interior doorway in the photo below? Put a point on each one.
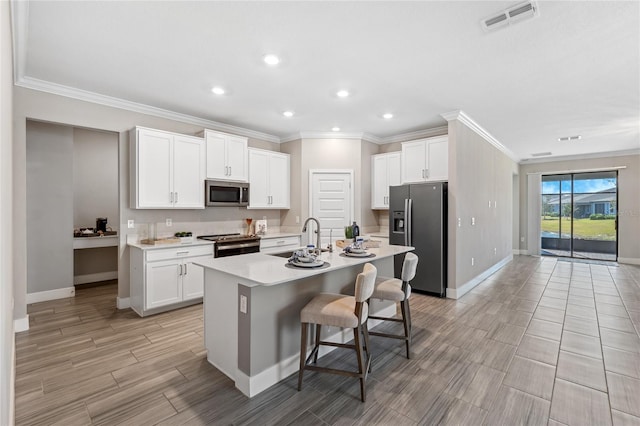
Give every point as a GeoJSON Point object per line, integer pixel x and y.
{"type": "Point", "coordinates": [331, 202]}
{"type": "Point", "coordinates": [579, 215]}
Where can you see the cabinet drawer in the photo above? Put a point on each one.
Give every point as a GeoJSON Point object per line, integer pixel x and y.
{"type": "Point", "coordinates": [178, 252]}
{"type": "Point", "coordinates": [279, 242]}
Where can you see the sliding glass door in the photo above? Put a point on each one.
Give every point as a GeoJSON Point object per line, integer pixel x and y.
{"type": "Point", "coordinates": [579, 215]}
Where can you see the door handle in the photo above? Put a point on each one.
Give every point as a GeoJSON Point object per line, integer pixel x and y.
{"type": "Point", "coordinates": [180, 272]}
{"type": "Point", "coordinates": [186, 271]}
{"type": "Point", "coordinates": [408, 225]}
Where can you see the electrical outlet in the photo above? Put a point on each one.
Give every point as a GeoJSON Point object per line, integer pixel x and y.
{"type": "Point", "coordinates": [459, 222]}
{"type": "Point", "coordinates": [297, 219]}
{"type": "Point", "coordinates": [243, 304]}
{"type": "Point", "coordinates": [495, 250]}
{"type": "Point", "coordinates": [169, 222]}
{"type": "Point", "coordinates": [489, 203]}
{"type": "Point", "coordinates": [522, 239]}
{"type": "Point", "coordinates": [473, 221]}
{"type": "Point", "coordinates": [473, 261]}
{"type": "Point", "coordinates": [130, 224]}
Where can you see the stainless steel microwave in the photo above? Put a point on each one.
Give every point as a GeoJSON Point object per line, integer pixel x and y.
{"type": "Point", "coordinates": [221, 193]}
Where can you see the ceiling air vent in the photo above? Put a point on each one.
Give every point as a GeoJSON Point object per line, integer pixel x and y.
{"type": "Point", "coordinates": [517, 13]}
{"type": "Point", "coordinates": [541, 154]}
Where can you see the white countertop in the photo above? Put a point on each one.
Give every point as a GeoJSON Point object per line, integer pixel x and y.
{"type": "Point", "coordinates": [267, 270]}
{"type": "Point", "coordinates": [195, 242]}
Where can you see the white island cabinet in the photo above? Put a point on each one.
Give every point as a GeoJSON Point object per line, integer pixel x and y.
{"type": "Point", "coordinates": [226, 156]}
{"type": "Point", "coordinates": [167, 170]}
{"type": "Point", "coordinates": [252, 309]}
{"type": "Point", "coordinates": [425, 160]}
{"type": "Point", "coordinates": [269, 179]}
{"type": "Point", "coordinates": [166, 278]}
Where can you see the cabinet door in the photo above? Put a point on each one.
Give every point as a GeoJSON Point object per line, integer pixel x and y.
{"type": "Point", "coordinates": [162, 284]}
{"type": "Point", "coordinates": [279, 181]}
{"type": "Point", "coordinates": [154, 158]}
{"type": "Point", "coordinates": [438, 159]}
{"type": "Point", "coordinates": [188, 172]}
{"type": "Point", "coordinates": [237, 159]}
{"type": "Point", "coordinates": [216, 156]}
{"type": "Point", "coordinates": [193, 279]}
{"type": "Point", "coordinates": [413, 161]}
{"type": "Point", "coordinates": [379, 189]}
{"type": "Point", "coordinates": [258, 179]}
{"type": "Point", "coordinates": [394, 168]}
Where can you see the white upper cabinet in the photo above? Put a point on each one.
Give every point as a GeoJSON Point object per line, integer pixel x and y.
{"type": "Point", "coordinates": [167, 170]}
{"type": "Point", "coordinates": [268, 179]}
{"type": "Point", "coordinates": [385, 172]}
{"type": "Point", "coordinates": [425, 160]}
{"type": "Point", "coordinates": [226, 156]}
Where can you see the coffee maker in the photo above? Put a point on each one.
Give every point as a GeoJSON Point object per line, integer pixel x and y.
{"type": "Point", "coordinates": [101, 224]}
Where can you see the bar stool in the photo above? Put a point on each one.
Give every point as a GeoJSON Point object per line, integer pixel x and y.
{"type": "Point", "coordinates": [339, 310]}
{"type": "Point", "coordinates": [398, 291]}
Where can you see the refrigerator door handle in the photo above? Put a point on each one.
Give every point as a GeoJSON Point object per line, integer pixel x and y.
{"type": "Point", "coordinates": [408, 224]}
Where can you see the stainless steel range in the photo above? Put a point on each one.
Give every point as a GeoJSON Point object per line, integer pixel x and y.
{"type": "Point", "coordinates": [233, 244]}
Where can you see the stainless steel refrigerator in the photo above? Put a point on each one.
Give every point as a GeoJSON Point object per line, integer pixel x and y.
{"type": "Point", "coordinates": [418, 218]}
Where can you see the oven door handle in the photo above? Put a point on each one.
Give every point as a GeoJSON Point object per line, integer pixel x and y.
{"type": "Point", "coordinates": [237, 246]}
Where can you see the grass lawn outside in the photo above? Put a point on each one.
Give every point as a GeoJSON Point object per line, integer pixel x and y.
{"type": "Point", "coordinates": [582, 228]}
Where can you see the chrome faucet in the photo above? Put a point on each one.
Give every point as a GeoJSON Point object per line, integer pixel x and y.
{"type": "Point", "coordinates": [304, 229]}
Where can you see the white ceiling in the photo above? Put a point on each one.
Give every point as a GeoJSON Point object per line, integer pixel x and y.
{"type": "Point", "coordinates": [574, 70]}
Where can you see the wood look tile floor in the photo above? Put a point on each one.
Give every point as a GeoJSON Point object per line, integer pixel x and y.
{"type": "Point", "coordinates": [539, 342]}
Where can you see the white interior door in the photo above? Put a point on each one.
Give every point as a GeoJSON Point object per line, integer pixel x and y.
{"type": "Point", "coordinates": [331, 203]}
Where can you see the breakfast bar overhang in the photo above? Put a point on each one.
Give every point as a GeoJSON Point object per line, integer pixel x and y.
{"type": "Point", "coordinates": [252, 309]}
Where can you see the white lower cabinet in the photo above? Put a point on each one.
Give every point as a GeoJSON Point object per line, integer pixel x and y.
{"type": "Point", "coordinates": [279, 244]}
{"type": "Point", "coordinates": [164, 279]}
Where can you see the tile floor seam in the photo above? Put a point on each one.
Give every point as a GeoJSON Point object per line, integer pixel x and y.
{"type": "Point", "coordinates": [555, 375]}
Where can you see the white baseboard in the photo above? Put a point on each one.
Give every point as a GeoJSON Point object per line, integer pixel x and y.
{"type": "Point", "coordinates": [123, 302]}
{"type": "Point", "coordinates": [458, 292]}
{"type": "Point", "coordinates": [253, 385]}
{"type": "Point", "coordinates": [517, 252]}
{"type": "Point", "coordinates": [43, 296]}
{"type": "Point", "coordinates": [629, 260]}
{"type": "Point", "coordinates": [21, 324]}
{"type": "Point", "coordinates": [94, 278]}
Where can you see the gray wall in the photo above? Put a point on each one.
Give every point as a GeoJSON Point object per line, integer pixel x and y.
{"type": "Point", "coordinates": [628, 190]}
{"type": "Point", "coordinates": [49, 206]}
{"type": "Point", "coordinates": [95, 177]}
{"type": "Point", "coordinates": [479, 173]}
{"type": "Point", "coordinates": [7, 351]}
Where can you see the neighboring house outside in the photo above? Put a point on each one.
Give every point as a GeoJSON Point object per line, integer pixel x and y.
{"type": "Point", "coordinates": [601, 202]}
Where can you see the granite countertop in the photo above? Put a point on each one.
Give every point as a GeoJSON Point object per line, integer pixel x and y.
{"type": "Point", "coordinates": [266, 270]}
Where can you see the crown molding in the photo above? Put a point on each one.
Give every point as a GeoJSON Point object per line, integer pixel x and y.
{"type": "Point", "coordinates": [20, 26]}
{"type": "Point", "coordinates": [605, 154]}
{"type": "Point", "coordinates": [96, 98]}
{"type": "Point", "coordinates": [469, 122]}
{"type": "Point", "coordinates": [419, 134]}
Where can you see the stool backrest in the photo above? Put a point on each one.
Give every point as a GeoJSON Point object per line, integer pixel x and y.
{"type": "Point", "coordinates": [409, 267]}
{"type": "Point", "coordinates": [365, 283]}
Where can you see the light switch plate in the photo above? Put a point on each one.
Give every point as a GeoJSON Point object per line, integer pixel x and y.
{"type": "Point", "coordinates": [130, 224]}
{"type": "Point", "coordinates": [243, 304]}
{"type": "Point", "coordinates": [169, 222]}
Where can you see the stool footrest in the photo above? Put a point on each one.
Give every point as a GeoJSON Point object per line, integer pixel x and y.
{"type": "Point", "coordinates": [386, 319]}
{"type": "Point", "coordinates": [393, 336]}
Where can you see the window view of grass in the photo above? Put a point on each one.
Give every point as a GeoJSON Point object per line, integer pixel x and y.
{"type": "Point", "coordinates": [588, 229]}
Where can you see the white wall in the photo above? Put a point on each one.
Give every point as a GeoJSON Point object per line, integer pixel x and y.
{"type": "Point", "coordinates": [628, 193]}
{"type": "Point", "coordinates": [7, 341]}
{"type": "Point", "coordinates": [49, 207]}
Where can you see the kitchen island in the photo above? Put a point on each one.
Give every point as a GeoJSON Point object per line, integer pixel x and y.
{"type": "Point", "coordinates": [252, 309]}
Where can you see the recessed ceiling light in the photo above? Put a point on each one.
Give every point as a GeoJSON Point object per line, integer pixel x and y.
{"type": "Point", "coordinates": [387, 116]}
{"type": "Point", "coordinates": [342, 93]}
{"type": "Point", "coordinates": [271, 59]}
{"type": "Point", "coordinates": [335, 129]}
{"type": "Point", "coordinates": [218, 90]}
{"type": "Point", "coordinates": [288, 113]}
{"type": "Point", "coordinates": [570, 138]}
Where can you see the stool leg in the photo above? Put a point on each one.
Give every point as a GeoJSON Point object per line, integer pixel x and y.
{"type": "Point", "coordinates": [318, 330]}
{"type": "Point", "coordinates": [404, 307]}
{"type": "Point", "coordinates": [361, 367]}
{"type": "Point", "coordinates": [365, 332]}
{"type": "Point", "coordinates": [303, 352]}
